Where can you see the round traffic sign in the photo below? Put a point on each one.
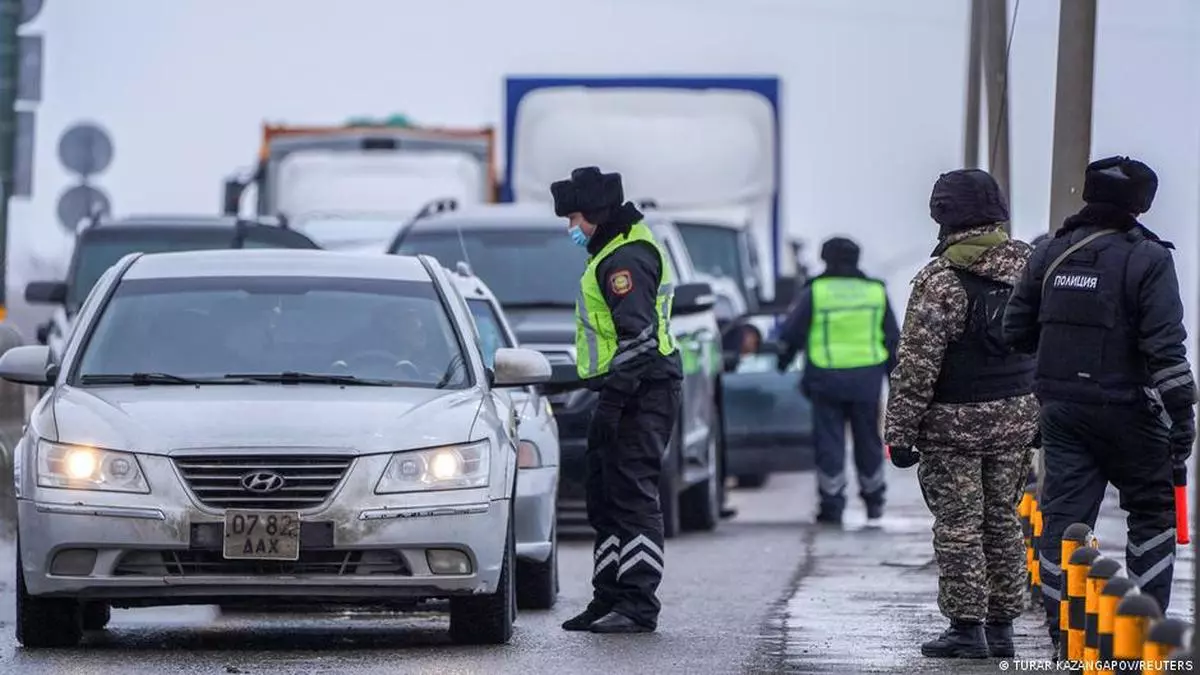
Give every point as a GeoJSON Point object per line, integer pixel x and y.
{"type": "Point", "coordinates": [85, 149]}
{"type": "Point", "coordinates": [29, 10]}
{"type": "Point", "coordinates": [80, 202]}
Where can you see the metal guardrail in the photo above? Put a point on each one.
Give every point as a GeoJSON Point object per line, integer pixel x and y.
{"type": "Point", "coordinates": [12, 424]}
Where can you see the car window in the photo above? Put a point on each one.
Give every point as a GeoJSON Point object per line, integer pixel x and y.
{"type": "Point", "coordinates": [397, 331]}
{"type": "Point", "coordinates": [714, 250]}
{"type": "Point", "coordinates": [98, 250]}
{"type": "Point", "coordinates": [533, 266]}
{"type": "Point", "coordinates": [491, 331]}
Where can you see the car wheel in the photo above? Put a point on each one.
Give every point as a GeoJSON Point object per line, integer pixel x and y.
{"type": "Point", "coordinates": [537, 582]}
{"type": "Point", "coordinates": [46, 622]}
{"type": "Point", "coordinates": [96, 615]}
{"type": "Point", "coordinates": [668, 487]}
{"type": "Point", "coordinates": [755, 480]}
{"type": "Point", "coordinates": [488, 619]}
{"type": "Point", "coordinates": [701, 504]}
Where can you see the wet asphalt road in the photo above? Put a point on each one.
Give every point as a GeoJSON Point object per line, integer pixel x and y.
{"type": "Point", "coordinates": [717, 596]}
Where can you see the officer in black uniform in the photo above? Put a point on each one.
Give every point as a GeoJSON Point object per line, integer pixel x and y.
{"type": "Point", "coordinates": [1099, 303]}
{"type": "Point", "coordinates": [639, 398]}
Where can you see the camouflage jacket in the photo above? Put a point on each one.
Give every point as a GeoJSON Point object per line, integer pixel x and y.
{"type": "Point", "coordinates": [935, 317]}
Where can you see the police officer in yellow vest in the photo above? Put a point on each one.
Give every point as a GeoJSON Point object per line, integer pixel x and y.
{"type": "Point", "coordinates": [844, 323]}
{"type": "Point", "coordinates": [625, 351]}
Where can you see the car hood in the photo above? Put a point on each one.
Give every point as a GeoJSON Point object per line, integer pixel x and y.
{"type": "Point", "coordinates": [542, 326]}
{"type": "Point", "coordinates": [160, 419]}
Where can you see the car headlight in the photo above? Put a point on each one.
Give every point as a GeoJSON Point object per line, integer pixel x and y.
{"type": "Point", "coordinates": [448, 467]}
{"type": "Point", "coordinates": [528, 455]}
{"type": "Point", "coordinates": [80, 467]}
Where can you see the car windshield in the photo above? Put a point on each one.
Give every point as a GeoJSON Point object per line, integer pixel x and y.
{"type": "Point", "coordinates": [331, 231]}
{"type": "Point", "coordinates": [522, 266]}
{"type": "Point", "coordinates": [381, 331]}
{"type": "Point", "coordinates": [96, 252]}
{"type": "Point", "coordinates": [714, 250]}
{"type": "Point", "coordinates": [491, 332]}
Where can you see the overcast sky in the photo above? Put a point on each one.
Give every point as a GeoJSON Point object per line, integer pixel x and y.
{"type": "Point", "coordinates": [872, 109]}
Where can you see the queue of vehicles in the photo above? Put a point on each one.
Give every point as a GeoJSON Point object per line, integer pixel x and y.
{"type": "Point", "coordinates": [290, 419]}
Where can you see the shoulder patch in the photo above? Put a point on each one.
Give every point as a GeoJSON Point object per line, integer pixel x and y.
{"type": "Point", "coordinates": [620, 282]}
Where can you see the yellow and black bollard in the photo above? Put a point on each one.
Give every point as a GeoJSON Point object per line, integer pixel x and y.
{"type": "Point", "coordinates": [1098, 575]}
{"type": "Point", "coordinates": [1036, 569]}
{"type": "Point", "coordinates": [1076, 572]}
{"type": "Point", "coordinates": [1025, 512]}
{"type": "Point", "coordinates": [1164, 639]}
{"type": "Point", "coordinates": [1111, 595]}
{"type": "Point", "coordinates": [1135, 615]}
{"type": "Point", "coordinates": [1075, 536]}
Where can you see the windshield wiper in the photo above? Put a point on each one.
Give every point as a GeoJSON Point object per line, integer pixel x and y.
{"type": "Point", "coordinates": [451, 369]}
{"type": "Point", "coordinates": [151, 378]}
{"type": "Point", "coordinates": [292, 377]}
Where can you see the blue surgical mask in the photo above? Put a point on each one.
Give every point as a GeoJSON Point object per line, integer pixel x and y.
{"type": "Point", "coordinates": [578, 236]}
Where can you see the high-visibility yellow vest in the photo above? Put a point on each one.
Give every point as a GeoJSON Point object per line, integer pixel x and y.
{"type": "Point", "coordinates": [596, 344]}
{"type": "Point", "coordinates": [847, 323]}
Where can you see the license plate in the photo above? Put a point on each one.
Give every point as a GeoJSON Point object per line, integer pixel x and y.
{"type": "Point", "coordinates": [262, 535]}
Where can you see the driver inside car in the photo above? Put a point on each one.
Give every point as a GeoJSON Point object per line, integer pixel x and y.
{"type": "Point", "coordinates": [395, 344]}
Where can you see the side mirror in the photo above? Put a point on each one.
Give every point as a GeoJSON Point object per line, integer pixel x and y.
{"type": "Point", "coordinates": [231, 201]}
{"type": "Point", "coordinates": [46, 293]}
{"type": "Point", "coordinates": [28, 364]}
{"type": "Point", "coordinates": [520, 367]}
{"type": "Point", "coordinates": [693, 298]}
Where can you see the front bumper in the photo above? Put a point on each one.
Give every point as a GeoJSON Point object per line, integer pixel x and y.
{"type": "Point", "coordinates": [171, 553]}
{"type": "Point", "coordinates": [537, 490]}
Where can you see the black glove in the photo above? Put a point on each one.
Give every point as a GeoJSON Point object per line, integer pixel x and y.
{"type": "Point", "coordinates": [1183, 435]}
{"type": "Point", "coordinates": [1037, 438]}
{"type": "Point", "coordinates": [904, 457]}
{"type": "Point", "coordinates": [606, 419]}
{"type": "Point", "coordinates": [782, 362]}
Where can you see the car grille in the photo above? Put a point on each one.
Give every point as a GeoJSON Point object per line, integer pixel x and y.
{"type": "Point", "coordinates": [308, 480]}
{"type": "Point", "coordinates": [194, 563]}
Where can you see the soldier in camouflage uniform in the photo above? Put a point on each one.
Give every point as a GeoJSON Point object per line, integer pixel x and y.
{"type": "Point", "coordinates": [963, 399]}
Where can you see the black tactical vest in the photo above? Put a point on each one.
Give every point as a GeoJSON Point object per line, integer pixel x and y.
{"type": "Point", "coordinates": [978, 366]}
{"type": "Point", "coordinates": [1088, 345]}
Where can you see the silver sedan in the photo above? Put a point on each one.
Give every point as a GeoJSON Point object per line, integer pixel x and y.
{"type": "Point", "coordinates": [268, 426]}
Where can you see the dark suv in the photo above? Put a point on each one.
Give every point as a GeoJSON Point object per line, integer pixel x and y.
{"type": "Point", "coordinates": [103, 242]}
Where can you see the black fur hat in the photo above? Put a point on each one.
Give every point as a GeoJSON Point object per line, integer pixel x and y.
{"type": "Point", "coordinates": [1122, 182]}
{"type": "Point", "coordinates": [587, 191]}
{"type": "Point", "coordinates": [966, 198]}
{"type": "Point", "coordinates": [840, 251]}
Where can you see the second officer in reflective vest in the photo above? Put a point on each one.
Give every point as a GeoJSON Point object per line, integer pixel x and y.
{"type": "Point", "coordinates": [845, 324]}
{"type": "Point", "coordinates": [625, 351]}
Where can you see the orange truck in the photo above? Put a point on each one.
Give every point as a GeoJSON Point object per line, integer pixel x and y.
{"type": "Point", "coordinates": [389, 166]}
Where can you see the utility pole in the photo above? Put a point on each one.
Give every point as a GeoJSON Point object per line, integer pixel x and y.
{"type": "Point", "coordinates": [974, 74]}
{"type": "Point", "coordinates": [995, 49]}
{"type": "Point", "coordinates": [10, 16]}
{"type": "Point", "coordinates": [1072, 107]}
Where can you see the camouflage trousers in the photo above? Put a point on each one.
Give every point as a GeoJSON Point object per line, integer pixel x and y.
{"type": "Point", "coordinates": [977, 536]}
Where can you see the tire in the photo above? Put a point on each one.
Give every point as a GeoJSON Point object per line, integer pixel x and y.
{"type": "Point", "coordinates": [755, 480]}
{"type": "Point", "coordinates": [488, 619]}
{"type": "Point", "coordinates": [46, 622]}
{"type": "Point", "coordinates": [96, 615]}
{"type": "Point", "coordinates": [537, 582]}
{"type": "Point", "coordinates": [700, 505]}
{"type": "Point", "coordinates": [668, 488]}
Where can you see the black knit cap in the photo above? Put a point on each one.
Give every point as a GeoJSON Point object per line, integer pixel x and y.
{"type": "Point", "coordinates": [966, 198]}
{"type": "Point", "coordinates": [587, 191]}
{"type": "Point", "coordinates": [840, 251]}
{"type": "Point", "coordinates": [1122, 182]}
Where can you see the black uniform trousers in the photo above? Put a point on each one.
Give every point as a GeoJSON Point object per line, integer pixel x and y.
{"type": "Point", "coordinates": [829, 436]}
{"type": "Point", "coordinates": [1087, 447]}
{"type": "Point", "coordinates": [622, 501]}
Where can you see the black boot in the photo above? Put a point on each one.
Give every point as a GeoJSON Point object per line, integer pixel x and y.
{"type": "Point", "coordinates": [619, 623]}
{"type": "Point", "coordinates": [827, 517]}
{"type": "Point", "coordinates": [585, 619]}
{"type": "Point", "coordinates": [1000, 639]}
{"type": "Point", "coordinates": [962, 640]}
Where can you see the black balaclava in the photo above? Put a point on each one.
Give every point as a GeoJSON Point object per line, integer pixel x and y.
{"type": "Point", "coordinates": [840, 256]}
{"type": "Point", "coordinates": [966, 198]}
